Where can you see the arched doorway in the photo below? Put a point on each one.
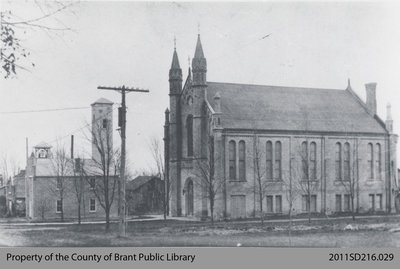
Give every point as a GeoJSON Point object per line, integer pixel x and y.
{"type": "Point", "coordinates": [189, 197]}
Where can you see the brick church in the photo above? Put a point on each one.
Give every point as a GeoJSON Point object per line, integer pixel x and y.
{"type": "Point", "coordinates": [312, 150]}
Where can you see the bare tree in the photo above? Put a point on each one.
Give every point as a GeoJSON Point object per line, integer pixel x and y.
{"type": "Point", "coordinates": [62, 169]}
{"type": "Point", "coordinates": [102, 167]}
{"type": "Point", "coordinates": [43, 205]}
{"type": "Point", "coordinates": [261, 181]}
{"type": "Point", "coordinates": [158, 157]}
{"type": "Point", "coordinates": [205, 171]}
{"type": "Point", "coordinates": [80, 178]}
{"type": "Point", "coordinates": [350, 181]}
{"type": "Point", "coordinates": [45, 17]}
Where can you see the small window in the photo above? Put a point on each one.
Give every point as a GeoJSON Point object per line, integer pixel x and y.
{"type": "Point", "coordinates": [92, 205]}
{"type": "Point", "coordinates": [304, 161]}
{"type": "Point", "coordinates": [59, 183]}
{"type": "Point", "coordinates": [338, 161]}
{"type": "Point", "coordinates": [104, 123]}
{"type": "Point", "coordinates": [372, 202]}
{"type": "Point", "coordinates": [379, 201]}
{"type": "Point", "coordinates": [370, 158]}
{"type": "Point", "coordinates": [313, 161]}
{"type": "Point", "coordinates": [378, 161]}
{"type": "Point", "coordinates": [269, 161]}
{"type": "Point", "coordinates": [278, 204]}
{"type": "Point", "coordinates": [92, 183]}
{"type": "Point", "coordinates": [338, 203]}
{"type": "Point", "coordinates": [305, 203]}
{"type": "Point", "coordinates": [242, 161]}
{"type": "Point", "coordinates": [232, 160]}
{"type": "Point", "coordinates": [270, 203]}
{"type": "Point", "coordinates": [59, 206]}
{"type": "Point", "coordinates": [278, 161]}
{"type": "Point", "coordinates": [189, 135]}
{"type": "Point", "coordinates": [346, 164]}
{"type": "Point", "coordinates": [346, 202]}
{"type": "Point", "coordinates": [313, 203]}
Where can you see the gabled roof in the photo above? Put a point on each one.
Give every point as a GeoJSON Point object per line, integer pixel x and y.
{"type": "Point", "coordinates": [103, 101]}
{"type": "Point", "coordinates": [291, 109]}
{"type": "Point", "coordinates": [48, 168]}
{"type": "Point", "coordinates": [42, 145]}
{"type": "Point", "coordinates": [138, 182]}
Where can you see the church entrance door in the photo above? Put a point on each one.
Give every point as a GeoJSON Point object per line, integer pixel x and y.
{"type": "Point", "coordinates": [189, 198]}
{"type": "Point", "coordinates": [238, 206]}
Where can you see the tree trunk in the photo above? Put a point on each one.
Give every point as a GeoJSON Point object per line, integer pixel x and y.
{"type": "Point", "coordinates": [261, 211]}
{"type": "Point", "coordinates": [107, 219]}
{"type": "Point", "coordinates": [352, 208]}
{"type": "Point", "coordinates": [79, 212]}
{"type": "Point", "coordinates": [290, 225]}
{"type": "Point", "coordinates": [212, 211]}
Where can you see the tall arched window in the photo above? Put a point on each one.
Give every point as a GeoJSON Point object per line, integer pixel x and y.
{"type": "Point", "coordinates": [304, 161]}
{"type": "Point", "coordinates": [269, 160]}
{"type": "Point", "coordinates": [370, 158]}
{"type": "Point", "coordinates": [346, 164]}
{"type": "Point", "coordinates": [278, 161]}
{"type": "Point", "coordinates": [232, 160]}
{"type": "Point", "coordinates": [338, 161]}
{"type": "Point", "coordinates": [189, 135]}
{"type": "Point", "coordinates": [242, 161]}
{"type": "Point", "coordinates": [378, 158]}
{"type": "Point", "coordinates": [313, 161]}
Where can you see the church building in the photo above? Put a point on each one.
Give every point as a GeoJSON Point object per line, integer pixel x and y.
{"type": "Point", "coordinates": [230, 146]}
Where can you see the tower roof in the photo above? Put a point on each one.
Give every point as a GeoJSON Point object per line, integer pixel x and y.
{"type": "Point", "coordinates": [199, 49]}
{"type": "Point", "coordinates": [175, 61]}
{"type": "Point", "coordinates": [103, 101]}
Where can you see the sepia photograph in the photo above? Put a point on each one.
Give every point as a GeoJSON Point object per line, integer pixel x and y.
{"type": "Point", "coordinates": [199, 124]}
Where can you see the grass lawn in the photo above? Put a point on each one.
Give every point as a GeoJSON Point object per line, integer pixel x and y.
{"type": "Point", "coordinates": [371, 232]}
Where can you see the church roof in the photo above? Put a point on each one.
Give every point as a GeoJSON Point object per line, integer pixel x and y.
{"type": "Point", "coordinates": [103, 101]}
{"type": "Point", "coordinates": [291, 109]}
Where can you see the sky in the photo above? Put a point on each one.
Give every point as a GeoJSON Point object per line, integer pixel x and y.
{"type": "Point", "coordinates": [318, 45]}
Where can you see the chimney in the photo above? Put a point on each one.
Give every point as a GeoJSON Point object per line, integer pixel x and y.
{"type": "Point", "coordinates": [371, 97]}
{"type": "Point", "coordinates": [389, 120]}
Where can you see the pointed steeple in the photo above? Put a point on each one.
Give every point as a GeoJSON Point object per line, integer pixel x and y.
{"type": "Point", "coordinates": [175, 73]}
{"type": "Point", "coordinates": [199, 65]}
{"type": "Point", "coordinates": [199, 49]}
{"type": "Point", "coordinates": [175, 61]}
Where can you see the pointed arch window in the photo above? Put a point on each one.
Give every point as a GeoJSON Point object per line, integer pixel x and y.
{"type": "Point", "coordinates": [346, 163]}
{"type": "Point", "coordinates": [313, 161]}
{"type": "Point", "coordinates": [278, 161]}
{"type": "Point", "coordinates": [189, 135]}
{"type": "Point", "coordinates": [370, 159]}
{"type": "Point", "coordinates": [269, 160]}
{"type": "Point", "coordinates": [338, 161]}
{"type": "Point", "coordinates": [304, 161]}
{"type": "Point", "coordinates": [378, 161]}
{"type": "Point", "coordinates": [242, 161]}
{"type": "Point", "coordinates": [232, 160]}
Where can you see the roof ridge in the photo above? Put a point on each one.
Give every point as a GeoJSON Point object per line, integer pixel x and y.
{"type": "Point", "coordinates": [289, 87]}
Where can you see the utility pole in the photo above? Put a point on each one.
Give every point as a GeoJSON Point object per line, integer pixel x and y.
{"type": "Point", "coordinates": [122, 122]}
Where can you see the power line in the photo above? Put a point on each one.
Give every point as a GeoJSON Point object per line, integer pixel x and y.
{"type": "Point", "coordinates": [43, 110]}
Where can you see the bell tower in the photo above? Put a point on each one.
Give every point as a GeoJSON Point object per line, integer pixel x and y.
{"type": "Point", "coordinates": [174, 129]}
{"type": "Point", "coordinates": [102, 128]}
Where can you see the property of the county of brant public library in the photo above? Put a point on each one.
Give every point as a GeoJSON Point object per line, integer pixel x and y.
{"type": "Point", "coordinates": [231, 152]}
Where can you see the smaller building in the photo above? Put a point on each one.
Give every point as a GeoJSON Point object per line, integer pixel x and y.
{"type": "Point", "coordinates": [144, 195]}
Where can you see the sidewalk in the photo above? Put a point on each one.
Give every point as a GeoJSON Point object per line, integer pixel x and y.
{"type": "Point", "coordinates": [25, 222]}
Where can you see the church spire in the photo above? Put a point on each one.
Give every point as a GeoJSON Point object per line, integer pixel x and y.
{"type": "Point", "coordinates": [199, 49]}
{"type": "Point", "coordinates": [175, 73]}
{"type": "Point", "coordinates": [199, 65]}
